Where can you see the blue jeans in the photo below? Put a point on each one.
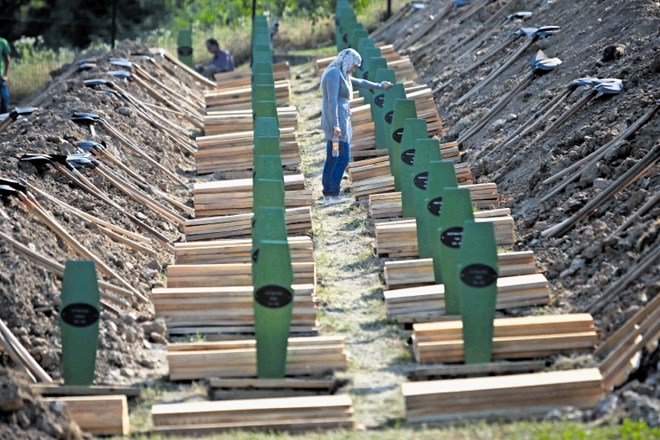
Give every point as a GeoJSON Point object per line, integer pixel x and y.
{"type": "Point", "coordinates": [334, 168]}
{"type": "Point", "coordinates": [4, 97]}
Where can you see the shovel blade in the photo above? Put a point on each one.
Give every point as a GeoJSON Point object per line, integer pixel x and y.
{"type": "Point", "coordinates": [519, 15]}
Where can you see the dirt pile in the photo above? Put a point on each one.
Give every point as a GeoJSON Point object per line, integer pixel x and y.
{"type": "Point", "coordinates": [616, 39]}
{"type": "Point", "coordinates": [29, 296]}
{"type": "Point", "coordinates": [24, 416]}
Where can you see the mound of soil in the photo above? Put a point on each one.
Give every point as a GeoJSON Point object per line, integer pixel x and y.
{"type": "Point", "coordinates": [613, 39]}
{"type": "Point", "coordinates": [30, 293]}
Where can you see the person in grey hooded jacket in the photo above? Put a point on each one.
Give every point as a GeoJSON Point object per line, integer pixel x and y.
{"type": "Point", "coordinates": [337, 90]}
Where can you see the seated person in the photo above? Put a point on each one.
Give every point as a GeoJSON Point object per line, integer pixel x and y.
{"type": "Point", "coordinates": [222, 60]}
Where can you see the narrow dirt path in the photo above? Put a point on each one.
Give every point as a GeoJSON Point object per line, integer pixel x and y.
{"type": "Point", "coordinates": [349, 286]}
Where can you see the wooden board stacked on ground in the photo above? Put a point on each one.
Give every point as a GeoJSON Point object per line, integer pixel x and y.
{"type": "Point", "coordinates": [237, 250]}
{"type": "Point", "coordinates": [306, 356]}
{"type": "Point", "coordinates": [298, 221]}
{"type": "Point", "coordinates": [363, 142]}
{"type": "Point", "coordinates": [373, 176]}
{"type": "Point", "coordinates": [285, 413]}
{"type": "Point", "coordinates": [399, 238]}
{"type": "Point", "coordinates": [98, 415]}
{"type": "Point", "coordinates": [224, 122]}
{"type": "Point", "coordinates": [235, 151]}
{"type": "Point", "coordinates": [620, 350]}
{"type": "Point", "coordinates": [411, 273]}
{"type": "Point", "coordinates": [193, 310]}
{"type": "Point", "coordinates": [236, 78]}
{"type": "Point", "coordinates": [240, 98]}
{"type": "Point", "coordinates": [427, 303]}
{"type": "Point", "coordinates": [227, 197]}
{"type": "Point", "coordinates": [388, 205]}
{"type": "Point", "coordinates": [513, 338]}
{"type": "Point", "coordinates": [229, 389]}
{"type": "Point", "coordinates": [229, 275]}
{"type": "Point", "coordinates": [518, 395]}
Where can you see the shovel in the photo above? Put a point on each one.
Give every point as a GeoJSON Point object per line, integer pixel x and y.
{"type": "Point", "coordinates": [144, 112]}
{"type": "Point", "coordinates": [162, 53]}
{"type": "Point", "coordinates": [532, 35]}
{"type": "Point", "coordinates": [110, 230]}
{"type": "Point", "coordinates": [541, 65]}
{"type": "Point", "coordinates": [187, 114]}
{"type": "Point", "coordinates": [578, 167]}
{"type": "Point", "coordinates": [602, 87]}
{"type": "Point", "coordinates": [430, 40]}
{"type": "Point", "coordinates": [144, 79]}
{"type": "Point", "coordinates": [90, 119]}
{"type": "Point", "coordinates": [542, 114]}
{"type": "Point", "coordinates": [522, 15]}
{"type": "Point", "coordinates": [13, 188]}
{"type": "Point", "coordinates": [62, 165]}
{"type": "Point", "coordinates": [14, 114]}
{"type": "Point", "coordinates": [99, 151]}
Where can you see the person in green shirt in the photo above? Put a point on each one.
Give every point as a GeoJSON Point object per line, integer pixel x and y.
{"type": "Point", "coordinates": [5, 50]}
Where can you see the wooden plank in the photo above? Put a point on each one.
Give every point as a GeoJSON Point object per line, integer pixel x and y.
{"type": "Point", "coordinates": [79, 390]}
{"type": "Point", "coordinates": [424, 372]}
{"type": "Point", "coordinates": [444, 400]}
{"type": "Point", "coordinates": [98, 415]}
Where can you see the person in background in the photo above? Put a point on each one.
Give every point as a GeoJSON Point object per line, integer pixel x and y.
{"type": "Point", "coordinates": [5, 50]}
{"type": "Point", "coordinates": [336, 90]}
{"type": "Point", "coordinates": [222, 60]}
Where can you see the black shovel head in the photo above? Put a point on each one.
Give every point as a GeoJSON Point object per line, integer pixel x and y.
{"type": "Point", "coordinates": [527, 32]}
{"type": "Point", "coordinates": [587, 81]}
{"type": "Point", "coordinates": [86, 66]}
{"type": "Point", "coordinates": [121, 74]}
{"type": "Point", "coordinates": [22, 111]}
{"type": "Point", "coordinates": [88, 145]}
{"type": "Point", "coordinates": [39, 161]}
{"type": "Point", "coordinates": [121, 62]}
{"type": "Point", "coordinates": [462, 2]}
{"type": "Point", "coordinates": [97, 82]}
{"type": "Point", "coordinates": [519, 15]}
{"type": "Point", "coordinates": [12, 186]}
{"type": "Point", "coordinates": [546, 65]}
{"type": "Point", "coordinates": [85, 118]}
{"type": "Point", "coordinates": [81, 160]}
{"type": "Point", "coordinates": [545, 31]}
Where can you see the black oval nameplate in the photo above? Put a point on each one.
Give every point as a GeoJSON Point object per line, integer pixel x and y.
{"type": "Point", "coordinates": [80, 315]}
{"type": "Point", "coordinates": [435, 206]}
{"type": "Point", "coordinates": [273, 296]}
{"type": "Point", "coordinates": [379, 100]}
{"type": "Point", "coordinates": [452, 237]}
{"type": "Point", "coordinates": [421, 180]}
{"type": "Point", "coordinates": [478, 275]}
{"type": "Point", "coordinates": [397, 135]}
{"type": "Point", "coordinates": [345, 38]}
{"type": "Point", "coordinates": [184, 50]}
{"type": "Point", "coordinates": [255, 255]}
{"type": "Point", "coordinates": [408, 157]}
{"type": "Point", "coordinates": [388, 116]}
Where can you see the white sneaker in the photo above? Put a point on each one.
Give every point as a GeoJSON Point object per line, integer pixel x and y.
{"type": "Point", "coordinates": [333, 200]}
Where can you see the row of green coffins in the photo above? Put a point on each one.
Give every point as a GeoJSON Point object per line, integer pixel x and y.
{"type": "Point", "coordinates": [464, 252]}
{"type": "Point", "coordinates": [272, 274]}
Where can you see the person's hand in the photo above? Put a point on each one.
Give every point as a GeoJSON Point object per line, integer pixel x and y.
{"type": "Point", "coordinates": [386, 84]}
{"type": "Point", "coordinates": [4, 78]}
{"type": "Point", "coordinates": [337, 131]}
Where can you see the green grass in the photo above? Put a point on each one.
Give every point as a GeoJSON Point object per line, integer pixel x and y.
{"type": "Point", "coordinates": [542, 430]}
